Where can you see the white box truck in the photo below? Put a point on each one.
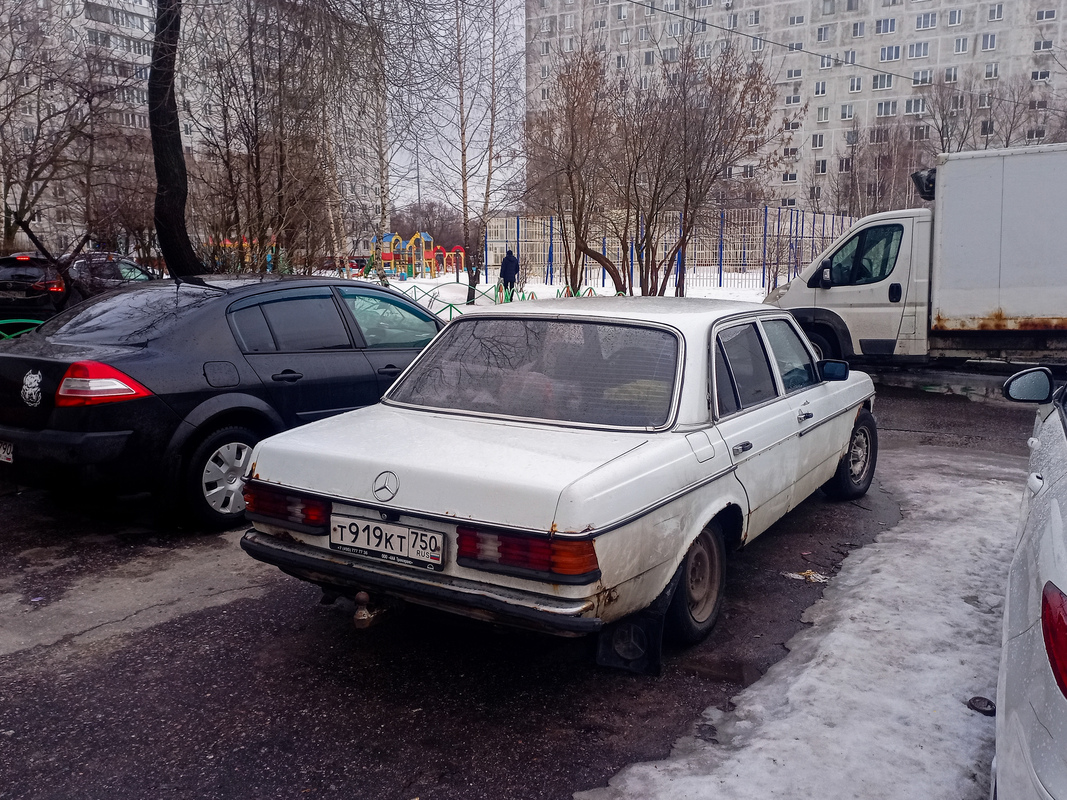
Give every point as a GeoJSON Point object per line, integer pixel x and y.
{"type": "Point", "coordinates": [982, 275]}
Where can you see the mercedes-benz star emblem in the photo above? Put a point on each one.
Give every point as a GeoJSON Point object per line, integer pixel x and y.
{"type": "Point", "coordinates": [386, 486]}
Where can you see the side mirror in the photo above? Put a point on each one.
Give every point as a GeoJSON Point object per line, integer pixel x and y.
{"type": "Point", "coordinates": [833, 370]}
{"type": "Point", "coordinates": [1030, 386]}
{"type": "Point", "coordinates": [825, 281]}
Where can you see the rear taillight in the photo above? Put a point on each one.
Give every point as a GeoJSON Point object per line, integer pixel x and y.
{"type": "Point", "coordinates": [89, 383]}
{"type": "Point", "coordinates": [55, 286]}
{"type": "Point", "coordinates": [298, 511]}
{"type": "Point", "coordinates": [557, 559]}
{"type": "Point", "coordinates": [1054, 628]}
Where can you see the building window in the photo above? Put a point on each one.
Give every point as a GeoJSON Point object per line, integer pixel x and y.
{"type": "Point", "coordinates": [955, 17]}
{"type": "Point", "coordinates": [858, 29]}
{"type": "Point", "coordinates": [792, 100]}
{"type": "Point", "coordinates": [920, 133]}
{"type": "Point", "coordinates": [992, 71]}
{"type": "Point", "coordinates": [989, 41]}
{"type": "Point", "coordinates": [849, 57]}
{"type": "Point", "coordinates": [822, 34]}
{"type": "Point", "coordinates": [757, 45]}
{"type": "Point", "coordinates": [879, 135]}
{"type": "Point", "coordinates": [885, 26]}
{"type": "Point", "coordinates": [794, 46]}
{"type": "Point", "coordinates": [792, 74]}
{"type": "Point", "coordinates": [568, 45]}
{"type": "Point", "coordinates": [820, 166]}
{"type": "Point", "coordinates": [789, 201]}
{"type": "Point", "coordinates": [622, 12]}
{"type": "Point", "coordinates": [916, 105]}
{"type": "Point", "coordinates": [544, 71]}
{"type": "Point", "coordinates": [544, 94]}
{"type": "Point", "coordinates": [825, 62]}
{"type": "Point", "coordinates": [890, 53]}
{"type": "Point", "coordinates": [624, 37]}
{"type": "Point", "coordinates": [822, 114]}
{"type": "Point", "coordinates": [1040, 75]}
{"type": "Point", "coordinates": [1038, 105]}
{"type": "Point", "coordinates": [792, 125]}
{"type": "Point", "coordinates": [789, 177]}
{"type": "Point", "coordinates": [1035, 134]}
{"type": "Point", "coordinates": [951, 74]}
{"type": "Point", "coordinates": [996, 12]}
{"type": "Point", "coordinates": [987, 127]}
{"type": "Point", "coordinates": [815, 192]}
{"type": "Point", "coordinates": [791, 152]}
{"type": "Point", "coordinates": [847, 111]}
{"type": "Point", "coordinates": [855, 84]}
{"type": "Point", "coordinates": [674, 30]}
{"type": "Point", "coordinates": [568, 21]}
{"type": "Point", "coordinates": [1044, 44]}
{"type": "Point", "coordinates": [919, 50]}
{"type": "Point", "coordinates": [820, 88]}
{"type": "Point", "coordinates": [650, 57]}
{"type": "Point", "coordinates": [961, 44]}
{"type": "Point", "coordinates": [731, 21]}
{"type": "Point", "coordinates": [753, 17]}
{"type": "Point", "coordinates": [599, 23]}
{"type": "Point", "coordinates": [650, 9]}
{"type": "Point", "coordinates": [797, 20]}
{"type": "Point", "coordinates": [844, 165]}
{"type": "Point", "coordinates": [828, 6]}
{"type": "Point", "coordinates": [985, 100]}
{"type": "Point", "coordinates": [887, 108]}
{"type": "Point", "coordinates": [926, 21]}
{"type": "Point", "coordinates": [817, 141]}
{"type": "Point", "coordinates": [748, 171]}
{"type": "Point", "coordinates": [545, 48]}
{"type": "Point", "coordinates": [882, 81]}
{"type": "Point", "coordinates": [1046, 15]}
{"type": "Point", "coordinates": [852, 5]}
{"type": "Point", "coordinates": [643, 35]}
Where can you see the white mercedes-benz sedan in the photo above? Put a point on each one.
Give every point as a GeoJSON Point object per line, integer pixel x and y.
{"type": "Point", "coordinates": [1031, 755]}
{"type": "Point", "coordinates": [574, 466]}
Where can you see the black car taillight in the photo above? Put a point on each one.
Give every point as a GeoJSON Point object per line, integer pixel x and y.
{"type": "Point", "coordinates": [53, 286]}
{"type": "Point", "coordinates": [90, 383]}
{"type": "Point", "coordinates": [1054, 629]}
{"type": "Point", "coordinates": [300, 512]}
{"type": "Point", "coordinates": [548, 559]}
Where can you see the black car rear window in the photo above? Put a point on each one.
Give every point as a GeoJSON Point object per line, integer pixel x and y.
{"type": "Point", "coordinates": [128, 317]}
{"type": "Point", "coordinates": [12, 270]}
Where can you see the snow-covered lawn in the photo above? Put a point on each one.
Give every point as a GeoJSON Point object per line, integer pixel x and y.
{"type": "Point", "coordinates": [871, 700]}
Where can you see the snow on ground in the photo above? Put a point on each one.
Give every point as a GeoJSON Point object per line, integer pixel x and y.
{"type": "Point", "coordinates": [871, 700]}
{"type": "Point", "coordinates": [439, 293]}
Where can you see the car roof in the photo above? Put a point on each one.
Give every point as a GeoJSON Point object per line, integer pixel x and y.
{"type": "Point", "coordinates": [679, 312]}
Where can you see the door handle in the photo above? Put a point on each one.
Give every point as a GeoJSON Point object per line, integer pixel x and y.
{"type": "Point", "coordinates": [803, 415]}
{"type": "Point", "coordinates": [390, 370]}
{"type": "Point", "coordinates": [287, 376]}
{"type": "Point", "coordinates": [895, 292]}
{"type": "Point", "coordinates": [744, 447]}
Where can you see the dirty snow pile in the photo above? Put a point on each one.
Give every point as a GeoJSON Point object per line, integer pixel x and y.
{"type": "Point", "coordinates": [871, 700]}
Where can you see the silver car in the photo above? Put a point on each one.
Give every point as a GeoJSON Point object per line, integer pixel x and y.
{"type": "Point", "coordinates": [1031, 756]}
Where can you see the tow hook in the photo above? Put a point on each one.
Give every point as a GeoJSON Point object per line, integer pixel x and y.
{"type": "Point", "coordinates": [365, 616]}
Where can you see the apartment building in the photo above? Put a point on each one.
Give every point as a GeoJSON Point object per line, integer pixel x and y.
{"type": "Point", "coordinates": [853, 75]}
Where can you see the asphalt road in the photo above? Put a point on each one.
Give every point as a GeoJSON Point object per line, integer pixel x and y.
{"type": "Point", "coordinates": [139, 661]}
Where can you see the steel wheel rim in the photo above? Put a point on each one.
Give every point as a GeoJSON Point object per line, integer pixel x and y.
{"type": "Point", "coordinates": [859, 455]}
{"type": "Point", "coordinates": [701, 580]}
{"type": "Point", "coordinates": [222, 481]}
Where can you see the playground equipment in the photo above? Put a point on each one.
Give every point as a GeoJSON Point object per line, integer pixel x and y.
{"type": "Point", "coordinates": [409, 258]}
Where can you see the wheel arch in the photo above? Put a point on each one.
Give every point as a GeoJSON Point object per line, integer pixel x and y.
{"type": "Point", "coordinates": [829, 326]}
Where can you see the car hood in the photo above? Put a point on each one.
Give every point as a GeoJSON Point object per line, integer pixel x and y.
{"type": "Point", "coordinates": [483, 470]}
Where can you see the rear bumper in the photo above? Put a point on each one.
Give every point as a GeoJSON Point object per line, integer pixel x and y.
{"type": "Point", "coordinates": [333, 570]}
{"type": "Point", "coordinates": [65, 448]}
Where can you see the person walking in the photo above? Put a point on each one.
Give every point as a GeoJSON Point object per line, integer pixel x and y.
{"type": "Point", "coordinates": [509, 273]}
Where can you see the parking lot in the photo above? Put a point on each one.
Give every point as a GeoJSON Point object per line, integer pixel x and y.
{"type": "Point", "coordinates": [142, 660]}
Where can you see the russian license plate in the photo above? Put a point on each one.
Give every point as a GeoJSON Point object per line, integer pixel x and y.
{"type": "Point", "coordinates": [397, 544]}
{"type": "Point", "coordinates": [7, 452]}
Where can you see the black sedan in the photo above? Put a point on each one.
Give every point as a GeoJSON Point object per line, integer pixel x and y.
{"type": "Point", "coordinates": [166, 386]}
{"type": "Point", "coordinates": [31, 289]}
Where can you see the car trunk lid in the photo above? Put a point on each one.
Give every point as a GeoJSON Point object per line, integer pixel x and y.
{"type": "Point", "coordinates": [480, 470]}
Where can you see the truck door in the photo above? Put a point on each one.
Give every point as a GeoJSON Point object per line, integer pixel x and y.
{"type": "Point", "coordinates": [868, 285]}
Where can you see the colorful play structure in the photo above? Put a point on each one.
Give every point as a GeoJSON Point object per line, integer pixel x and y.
{"type": "Point", "coordinates": [418, 257]}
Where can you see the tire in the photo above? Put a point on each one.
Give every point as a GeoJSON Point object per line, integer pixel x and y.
{"type": "Point", "coordinates": [856, 469]}
{"type": "Point", "coordinates": [698, 596]}
{"type": "Point", "coordinates": [214, 477]}
{"type": "Point", "coordinates": [823, 348]}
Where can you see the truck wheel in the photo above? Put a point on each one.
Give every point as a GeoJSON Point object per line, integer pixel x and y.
{"type": "Point", "coordinates": [856, 469]}
{"type": "Point", "coordinates": [823, 348]}
{"type": "Point", "coordinates": [214, 477]}
{"type": "Point", "coordinates": [698, 596]}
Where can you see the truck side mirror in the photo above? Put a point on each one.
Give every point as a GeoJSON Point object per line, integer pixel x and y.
{"type": "Point", "coordinates": [825, 281]}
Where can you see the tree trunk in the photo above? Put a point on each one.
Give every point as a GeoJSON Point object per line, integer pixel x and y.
{"type": "Point", "coordinates": [172, 181]}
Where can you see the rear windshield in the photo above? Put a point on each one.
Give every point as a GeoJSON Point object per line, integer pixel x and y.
{"type": "Point", "coordinates": [12, 270]}
{"type": "Point", "coordinates": [128, 317]}
{"type": "Point", "coordinates": [587, 372]}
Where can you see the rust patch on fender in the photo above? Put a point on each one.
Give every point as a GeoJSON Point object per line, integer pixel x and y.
{"type": "Point", "coordinates": [997, 320]}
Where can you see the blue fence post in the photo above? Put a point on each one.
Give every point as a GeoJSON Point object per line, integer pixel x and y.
{"type": "Point", "coordinates": [766, 215]}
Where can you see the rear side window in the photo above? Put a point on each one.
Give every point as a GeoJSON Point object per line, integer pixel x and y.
{"type": "Point", "coordinates": [295, 321]}
{"type": "Point", "coordinates": [746, 367]}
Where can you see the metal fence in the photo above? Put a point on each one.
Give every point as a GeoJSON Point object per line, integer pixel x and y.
{"type": "Point", "coordinates": [749, 247]}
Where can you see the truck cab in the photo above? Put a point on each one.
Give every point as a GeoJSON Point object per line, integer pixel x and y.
{"type": "Point", "coordinates": [867, 295]}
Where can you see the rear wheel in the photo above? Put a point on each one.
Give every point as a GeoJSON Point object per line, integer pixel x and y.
{"type": "Point", "coordinates": [214, 476]}
{"type": "Point", "coordinates": [856, 469]}
{"type": "Point", "coordinates": [698, 596]}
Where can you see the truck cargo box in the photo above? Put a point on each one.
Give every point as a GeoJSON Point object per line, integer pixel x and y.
{"type": "Point", "coordinates": [998, 263]}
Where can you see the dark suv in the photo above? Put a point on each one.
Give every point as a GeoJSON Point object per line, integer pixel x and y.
{"type": "Point", "coordinates": [31, 290]}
